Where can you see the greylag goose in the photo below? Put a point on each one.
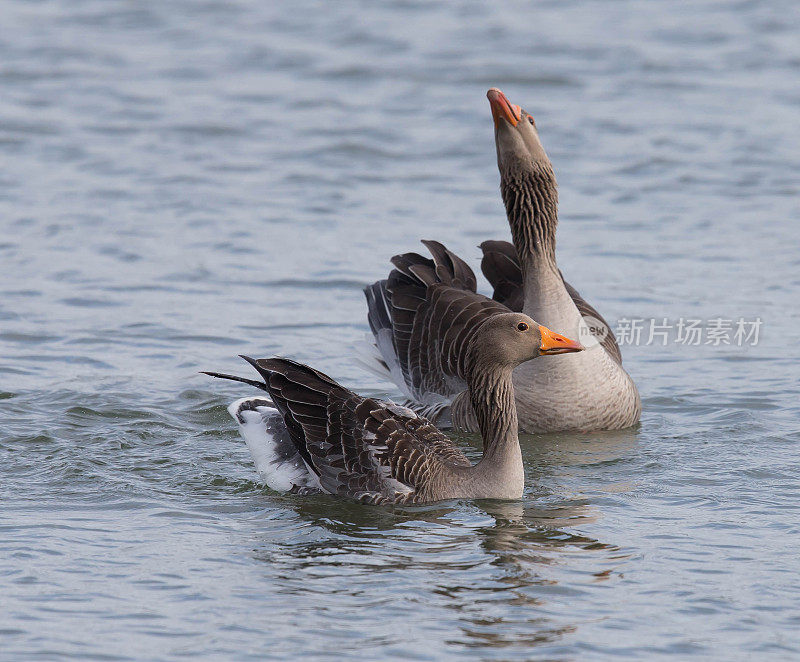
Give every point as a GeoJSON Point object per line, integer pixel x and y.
{"type": "Point", "coordinates": [314, 435]}
{"type": "Point", "coordinates": [586, 391]}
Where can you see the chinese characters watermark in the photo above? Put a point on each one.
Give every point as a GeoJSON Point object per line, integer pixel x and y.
{"type": "Point", "coordinates": [718, 331]}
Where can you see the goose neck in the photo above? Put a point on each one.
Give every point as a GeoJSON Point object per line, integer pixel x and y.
{"type": "Point", "coordinates": [491, 393]}
{"type": "Point", "coordinates": [530, 195]}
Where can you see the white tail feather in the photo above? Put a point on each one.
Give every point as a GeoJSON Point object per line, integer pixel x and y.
{"type": "Point", "coordinates": [277, 461]}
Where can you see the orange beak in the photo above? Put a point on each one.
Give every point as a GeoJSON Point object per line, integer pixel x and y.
{"type": "Point", "coordinates": [501, 107]}
{"type": "Point", "coordinates": [555, 343]}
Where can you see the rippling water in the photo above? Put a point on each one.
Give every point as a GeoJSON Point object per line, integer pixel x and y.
{"type": "Point", "coordinates": [186, 181]}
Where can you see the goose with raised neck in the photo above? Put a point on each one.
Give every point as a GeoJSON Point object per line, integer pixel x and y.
{"type": "Point", "coordinates": [415, 349]}
{"type": "Point", "coordinates": [608, 397]}
{"type": "Point", "coordinates": [314, 435]}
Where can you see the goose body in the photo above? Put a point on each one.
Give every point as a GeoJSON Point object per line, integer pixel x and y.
{"type": "Point", "coordinates": [313, 435]}
{"type": "Point", "coordinates": [603, 395]}
{"type": "Point", "coordinates": [581, 392]}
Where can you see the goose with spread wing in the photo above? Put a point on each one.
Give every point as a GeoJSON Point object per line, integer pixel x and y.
{"type": "Point", "coordinates": [581, 392]}
{"type": "Point", "coordinates": [313, 435]}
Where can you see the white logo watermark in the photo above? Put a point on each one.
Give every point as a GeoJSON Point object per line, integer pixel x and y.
{"type": "Point", "coordinates": [595, 329]}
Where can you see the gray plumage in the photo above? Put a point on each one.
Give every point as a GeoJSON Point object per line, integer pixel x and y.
{"type": "Point", "coordinates": [378, 452]}
{"type": "Point", "coordinates": [586, 391]}
{"type": "Point", "coordinates": [501, 266]}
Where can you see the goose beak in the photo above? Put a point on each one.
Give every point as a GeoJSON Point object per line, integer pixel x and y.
{"type": "Point", "coordinates": [555, 343]}
{"type": "Point", "coordinates": [502, 108]}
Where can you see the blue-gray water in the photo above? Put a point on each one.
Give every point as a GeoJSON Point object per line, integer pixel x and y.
{"type": "Point", "coordinates": [184, 181]}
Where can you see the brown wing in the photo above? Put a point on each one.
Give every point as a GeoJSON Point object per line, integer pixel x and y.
{"type": "Point", "coordinates": [433, 310]}
{"type": "Point", "coordinates": [502, 269]}
{"type": "Point", "coordinates": [358, 447]}
{"type": "Point", "coordinates": [416, 453]}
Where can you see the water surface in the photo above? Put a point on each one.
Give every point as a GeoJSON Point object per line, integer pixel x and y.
{"type": "Point", "coordinates": [183, 182]}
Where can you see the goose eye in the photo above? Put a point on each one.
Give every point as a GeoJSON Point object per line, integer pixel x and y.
{"type": "Point", "coordinates": [522, 326]}
{"type": "Point", "coordinates": [530, 119]}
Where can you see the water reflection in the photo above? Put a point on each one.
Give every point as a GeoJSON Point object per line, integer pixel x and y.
{"type": "Point", "coordinates": [490, 568]}
{"type": "Point", "coordinates": [517, 525]}
{"type": "Point", "coordinates": [545, 452]}
{"type": "Point", "coordinates": [528, 546]}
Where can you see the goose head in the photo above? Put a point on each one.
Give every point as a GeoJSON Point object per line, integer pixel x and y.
{"type": "Point", "coordinates": [515, 135]}
{"type": "Point", "coordinates": [527, 182]}
{"type": "Point", "coordinates": [512, 338]}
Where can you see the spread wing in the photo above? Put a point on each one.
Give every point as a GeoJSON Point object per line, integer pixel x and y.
{"type": "Point", "coordinates": [429, 309]}
{"type": "Point", "coordinates": [360, 448]}
{"type": "Point", "coordinates": [502, 269]}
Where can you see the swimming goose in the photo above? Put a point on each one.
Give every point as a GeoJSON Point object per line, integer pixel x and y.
{"type": "Point", "coordinates": [586, 391]}
{"type": "Point", "coordinates": [317, 436]}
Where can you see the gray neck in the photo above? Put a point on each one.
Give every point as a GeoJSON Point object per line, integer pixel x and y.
{"type": "Point", "coordinates": [500, 473]}
{"type": "Point", "coordinates": [530, 195]}
{"type": "Point", "coordinates": [491, 393]}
